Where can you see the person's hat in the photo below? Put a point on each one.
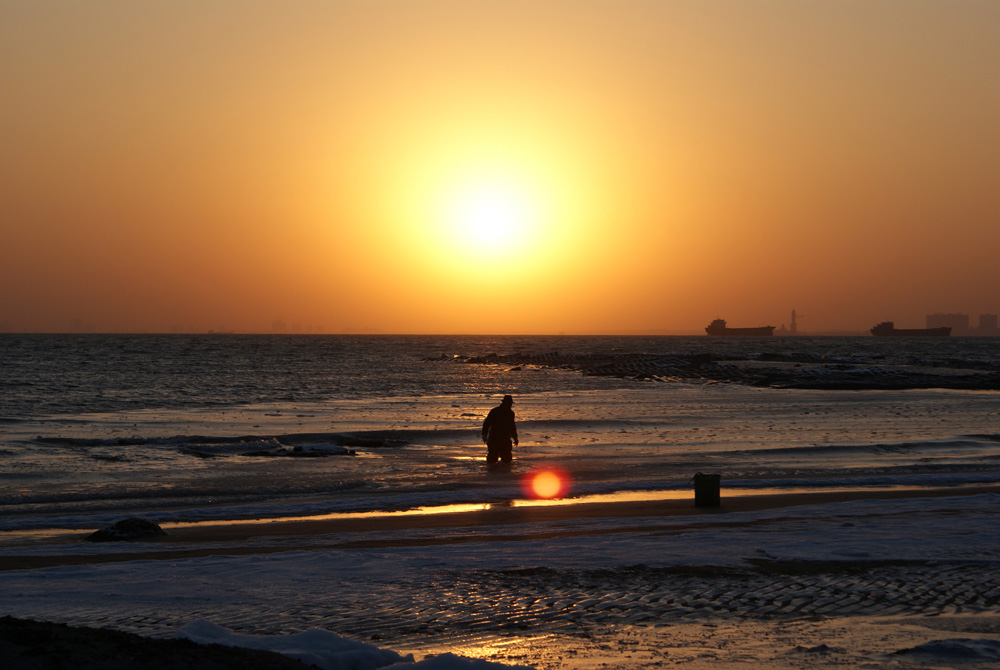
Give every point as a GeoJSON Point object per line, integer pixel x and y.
{"type": "Point", "coordinates": [508, 399]}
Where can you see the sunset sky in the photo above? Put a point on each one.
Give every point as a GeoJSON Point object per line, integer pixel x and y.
{"type": "Point", "coordinates": [471, 166]}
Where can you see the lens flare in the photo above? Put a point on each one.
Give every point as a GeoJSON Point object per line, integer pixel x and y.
{"type": "Point", "coordinates": [546, 484]}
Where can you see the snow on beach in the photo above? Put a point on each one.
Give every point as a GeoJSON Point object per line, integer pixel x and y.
{"type": "Point", "coordinates": [328, 651]}
{"type": "Point", "coordinates": [283, 595]}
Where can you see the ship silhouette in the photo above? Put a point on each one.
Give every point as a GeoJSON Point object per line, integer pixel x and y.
{"type": "Point", "coordinates": [718, 328]}
{"type": "Point", "coordinates": [888, 329]}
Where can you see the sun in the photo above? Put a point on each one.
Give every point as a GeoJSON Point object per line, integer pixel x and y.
{"type": "Point", "coordinates": [491, 216]}
{"type": "Point", "coordinates": [470, 220]}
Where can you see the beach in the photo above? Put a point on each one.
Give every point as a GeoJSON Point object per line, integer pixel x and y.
{"type": "Point", "coordinates": [336, 494]}
{"type": "Point", "coordinates": [897, 579]}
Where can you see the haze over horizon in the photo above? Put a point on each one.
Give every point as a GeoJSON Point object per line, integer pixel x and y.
{"type": "Point", "coordinates": [487, 167]}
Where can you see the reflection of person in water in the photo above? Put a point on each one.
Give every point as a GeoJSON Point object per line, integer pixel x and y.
{"type": "Point", "coordinates": [499, 432]}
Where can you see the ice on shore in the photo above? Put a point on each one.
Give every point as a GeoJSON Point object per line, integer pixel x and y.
{"type": "Point", "coordinates": [329, 651]}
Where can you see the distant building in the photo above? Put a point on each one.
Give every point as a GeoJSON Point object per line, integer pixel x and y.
{"type": "Point", "coordinates": [959, 323]}
{"type": "Point", "coordinates": [988, 325]}
{"type": "Point", "coordinates": [793, 329]}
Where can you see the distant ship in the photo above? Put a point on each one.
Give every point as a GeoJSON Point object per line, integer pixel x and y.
{"type": "Point", "coordinates": [888, 329]}
{"type": "Point", "coordinates": [719, 328]}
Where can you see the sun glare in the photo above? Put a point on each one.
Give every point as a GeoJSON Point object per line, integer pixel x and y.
{"type": "Point", "coordinates": [471, 218]}
{"type": "Point", "coordinates": [546, 484]}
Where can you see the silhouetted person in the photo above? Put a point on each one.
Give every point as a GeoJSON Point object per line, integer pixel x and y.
{"type": "Point", "coordinates": [499, 432]}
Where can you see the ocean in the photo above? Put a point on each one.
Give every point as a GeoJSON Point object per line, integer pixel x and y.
{"type": "Point", "coordinates": [202, 428]}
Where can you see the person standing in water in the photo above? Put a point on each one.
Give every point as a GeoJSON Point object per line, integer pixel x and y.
{"type": "Point", "coordinates": [499, 432]}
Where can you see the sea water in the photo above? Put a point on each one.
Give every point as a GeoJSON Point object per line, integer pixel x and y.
{"type": "Point", "coordinates": [189, 428]}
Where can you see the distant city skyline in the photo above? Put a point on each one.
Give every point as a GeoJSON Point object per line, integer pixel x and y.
{"type": "Point", "coordinates": [961, 324]}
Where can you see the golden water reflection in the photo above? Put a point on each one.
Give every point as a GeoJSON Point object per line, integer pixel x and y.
{"type": "Point", "coordinates": [50, 534]}
{"type": "Point", "coordinates": [613, 497]}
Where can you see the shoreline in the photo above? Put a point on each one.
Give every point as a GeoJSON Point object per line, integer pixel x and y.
{"type": "Point", "coordinates": [278, 535]}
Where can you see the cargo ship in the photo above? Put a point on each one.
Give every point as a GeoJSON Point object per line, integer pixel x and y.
{"type": "Point", "coordinates": [719, 328]}
{"type": "Point", "coordinates": [888, 329]}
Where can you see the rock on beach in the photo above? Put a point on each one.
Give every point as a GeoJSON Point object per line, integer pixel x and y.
{"type": "Point", "coordinates": [132, 528]}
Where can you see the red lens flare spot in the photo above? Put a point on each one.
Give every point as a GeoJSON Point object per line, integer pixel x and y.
{"type": "Point", "coordinates": [546, 484]}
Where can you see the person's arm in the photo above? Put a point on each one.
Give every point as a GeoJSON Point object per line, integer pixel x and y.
{"type": "Point", "coordinates": [486, 425]}
{"type": "Point", "coordinates": [513, 428]}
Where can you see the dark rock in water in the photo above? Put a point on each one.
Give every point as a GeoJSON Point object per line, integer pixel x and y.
{"type": "Point", "coordinates": [127, 529]}
{"type": "Point", "coordinates": [303, 451]}
{"type": "Point", "coordinates": [320, 451]}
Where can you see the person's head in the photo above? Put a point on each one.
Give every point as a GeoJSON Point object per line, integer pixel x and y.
{"type": "Point", "coordinates": [507, 401]}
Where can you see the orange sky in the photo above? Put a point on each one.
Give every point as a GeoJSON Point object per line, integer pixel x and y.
{"type": "Point", "coordinates": [464, 166]}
